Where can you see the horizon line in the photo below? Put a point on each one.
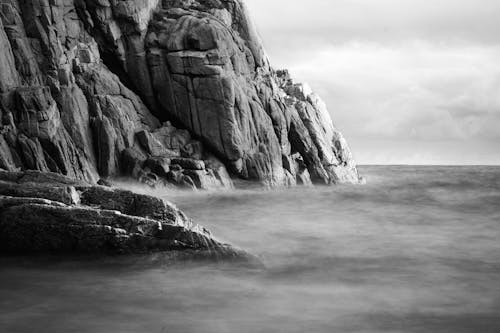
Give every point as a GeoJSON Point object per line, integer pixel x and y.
{"type": "Point", "coordinates": [429, 165]}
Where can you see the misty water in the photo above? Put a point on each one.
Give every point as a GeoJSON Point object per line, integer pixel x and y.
{"type": "Point", "coordinates": [417, 249]}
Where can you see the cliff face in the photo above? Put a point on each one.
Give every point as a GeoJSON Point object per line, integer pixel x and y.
{"type": "Point", "coordinates": [84, 85]}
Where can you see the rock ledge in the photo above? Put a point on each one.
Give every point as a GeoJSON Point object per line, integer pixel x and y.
{"type": "Point", "coordinates": [52, 214]}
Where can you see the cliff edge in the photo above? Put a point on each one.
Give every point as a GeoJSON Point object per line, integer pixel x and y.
{"type": "Point", "coordinates": [165, 91]}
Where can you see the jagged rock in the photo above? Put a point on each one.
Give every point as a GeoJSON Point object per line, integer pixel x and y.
{"type": "Point", "coordinates": [37, 112]}
{"type": "Point", "coordinates": [104, 182]}
{"type": "Point", "coordinates": [132, 161]}
{"type": "Point", "coordinates": [177, 140]}
{"type": "Point", "coordinates": [179, 178]}
{"type": "Point", "coordinates": [159, 165]}
{"type": "Point", "coordinates": [189, 164]}
{"type": "Point", "coordinates": [332, 147]}
{"type": "Point", "coordinates": [9, 78]}
{"type": "Point", "coordinates": [220, 172]}
{"type": "Point", "coordinates": [58, 218]}
{"type": "Point", "coordinates": [80, 81]}
{"type": "Point", "coordinates": [6, 159]}
{"type": "Point", "coordinates": [106, 146]}
{"type": "Point", "coordinates": [203, 179]}
{"type": "Point", "coordinates": [32, 153]}
{"type": "Point", "coordinates": [202, 64]}
{"type": "Point", "coordinates": [148, 178]}
{"type": "Point", "coordinates": [153, 146]}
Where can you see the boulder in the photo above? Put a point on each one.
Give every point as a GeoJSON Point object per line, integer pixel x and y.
{"type": "Point", "coordinates": [29, 227]}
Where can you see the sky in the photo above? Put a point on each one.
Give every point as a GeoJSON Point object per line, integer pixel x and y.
{"type": "Point", "coordinates": [406, 81]}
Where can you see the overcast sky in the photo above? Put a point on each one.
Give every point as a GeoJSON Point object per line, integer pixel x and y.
{"type": "Point", "coordinates": [407, 81]}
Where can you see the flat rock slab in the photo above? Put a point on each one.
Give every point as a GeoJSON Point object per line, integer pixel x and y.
{"type": "Point", "coordinates": [55, 218]}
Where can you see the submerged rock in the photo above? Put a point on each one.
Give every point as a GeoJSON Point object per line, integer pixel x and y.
{"type": "Point", "coordinates": [58, 218]}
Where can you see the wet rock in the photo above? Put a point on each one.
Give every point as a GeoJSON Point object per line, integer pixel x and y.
{"type": "Point", "coordinates": [47, 228]}
{"type": "Point", "coordinates": [61, 219]}
{"type": "Point", "coordinates": [177, 177]}
{"type": "Point", "coordinates": [203, 179]}
{"type": "Point", "coordinates": [149, 178]}
{"type": "Point", "coordinates": [104, 182]}
{"type": "Point", "coordinates": [189, 164]}
{"type": "Point", "coordinates": [130, 203]}
{"type": "Point", "coordinates": [220, 172]}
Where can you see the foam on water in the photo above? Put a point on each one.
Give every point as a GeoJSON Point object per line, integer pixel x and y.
{"type": "Point", "coordinates": [415, 250]}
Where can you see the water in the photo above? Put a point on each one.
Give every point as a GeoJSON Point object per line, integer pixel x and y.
{"type": "Point", "coordinates": [415, 250]}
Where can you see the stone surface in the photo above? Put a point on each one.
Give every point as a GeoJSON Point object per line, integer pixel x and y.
{"type": "Point", "coordinates": [84, 85]}
{"type": "Point", "coordinates": [57, 218]}
{"type": "Point", "coordinates": [62, 109]}
{"type": "Point", "coordinates": [201, 64]}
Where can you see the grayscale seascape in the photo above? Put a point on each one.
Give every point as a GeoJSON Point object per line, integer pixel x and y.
{"type": "Point", "coordinates": [417, 249]}
{"type": "Point", "coordinates": [249, 166]}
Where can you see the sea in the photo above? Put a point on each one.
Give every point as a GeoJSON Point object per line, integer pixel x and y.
{"type": "Point", "coordinates": [416, 249]}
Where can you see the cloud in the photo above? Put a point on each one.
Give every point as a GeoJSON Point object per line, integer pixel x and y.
{"type": "Point", "coordinates": [414, 89]}
{"type": "Point", "coordinates": [380, 20]}
{"type": "Point", "coordinates": [401, 71]}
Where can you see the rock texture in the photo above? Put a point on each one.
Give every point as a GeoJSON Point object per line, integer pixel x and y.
{"type": "Point", "coordinates": [48, 213]}
{"type": "Point", "coordinates": [62, 110]}
{"type": "Point", "coordinates": [84, 83]}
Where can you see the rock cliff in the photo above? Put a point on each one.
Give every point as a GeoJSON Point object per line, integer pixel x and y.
{"type": "Point", "coordinates": [176, 91]}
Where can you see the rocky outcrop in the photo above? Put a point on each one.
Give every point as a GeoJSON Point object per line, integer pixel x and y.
{"type": "Point", "coordinates": [201, 64]}
{"type": "Point", "coordinates": [85, 83]}
{"type": "Point", "coordinates": [48, 213]}
{"type": "Point", "coordinates": [64, 111]}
